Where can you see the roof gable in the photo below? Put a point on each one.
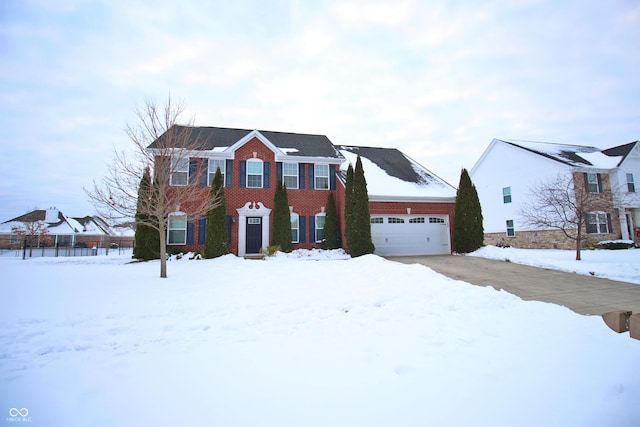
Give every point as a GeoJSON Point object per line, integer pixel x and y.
{"type": "Point", "coordinates": [622, 151]}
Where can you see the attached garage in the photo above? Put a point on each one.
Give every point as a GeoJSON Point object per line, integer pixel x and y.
{"type": "Point", "coordinates": [410, 234]}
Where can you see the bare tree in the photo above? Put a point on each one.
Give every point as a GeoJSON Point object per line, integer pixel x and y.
{"type": "Point", "coordinates": [32, 232]}
{"type": "Point", "coordinates": [164, 146]}
{"type": "Point", "coordinates": [563, 204]}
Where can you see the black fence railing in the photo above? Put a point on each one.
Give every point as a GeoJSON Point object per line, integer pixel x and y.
{"type": "Point", "coordinates": [79, 249]}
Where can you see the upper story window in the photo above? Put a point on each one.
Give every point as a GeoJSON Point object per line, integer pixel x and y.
{"type": "Point", "coordinates": [631, 186]}
{"type": "Point", "coordinates": [593, 183]}
{"type": "Point", "coordinates": [295, 228]}
{"type": "Point", "coordinates": [179, 171]}
{"type": "Point", "coordinates": [254, 173]}
{"type": "Point", "coordinates": [290, 175]}
{"type": "Point", "coordinates": [177, 229]}
{"type": "Point", "coordinates": [321, 177]}
{"type": "Point", "coordinates": [506, 194]}
{"type": "Point", "coordinates": [214, 164]}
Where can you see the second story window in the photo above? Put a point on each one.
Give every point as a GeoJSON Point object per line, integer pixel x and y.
{"type": "Point", "coordinates": [290, 175]}
{"type": "Point", "coordinates": [506, 194]}
{"type": "Point", "coordinates": [510, 229]}
{"type": "Point", "coordinates": [254, 173]}
{"type": "Point", "coordinates": [631, 186]}
{"type": "Point", "coordinates": [179, 171]}
{"type": "Point", "coordinates": [214, 164]}
{"type": "Point", "coordinates": [593, 183]}
{"type": "Point", "coordinates": [321, 177]}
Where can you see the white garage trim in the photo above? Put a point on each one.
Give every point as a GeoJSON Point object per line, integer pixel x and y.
{"type": "Point", "coordinates": [411, 234]}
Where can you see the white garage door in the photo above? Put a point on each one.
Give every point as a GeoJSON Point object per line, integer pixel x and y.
{"type": "Point", "coordinates": [410, 234]}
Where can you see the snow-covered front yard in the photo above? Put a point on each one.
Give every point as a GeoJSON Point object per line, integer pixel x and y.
{"type": "Point", "coordinates": [297, 342]}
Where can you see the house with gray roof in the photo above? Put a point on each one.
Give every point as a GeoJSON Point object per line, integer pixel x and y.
{"type": "Point", "coordinates": [508, 170]}
{"type": "Point", "coordinates": [411, 208]}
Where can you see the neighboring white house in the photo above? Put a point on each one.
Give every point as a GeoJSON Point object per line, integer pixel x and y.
{"type": "Point", "coordinates": [507, 170]}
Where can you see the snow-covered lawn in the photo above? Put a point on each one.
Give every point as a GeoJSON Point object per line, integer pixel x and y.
{"type": "Point", "coordinates": [622, 264]}
{"type": "Point", "coordinates": [298, 342]}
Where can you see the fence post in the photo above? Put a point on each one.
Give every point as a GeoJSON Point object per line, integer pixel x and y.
{"type": "Point", "coordinates": [24, 249]}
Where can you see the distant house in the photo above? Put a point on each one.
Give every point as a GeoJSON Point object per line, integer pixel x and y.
{"type": "Point", "coordinates": [50, 227]}
{"type": "Point", "coordinates": [508, 169]}
{"type": "Point", "coordinates": [411, 208]}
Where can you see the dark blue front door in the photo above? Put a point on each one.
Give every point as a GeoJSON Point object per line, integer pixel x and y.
{"type": "Point", "coordinates": [254, 235]}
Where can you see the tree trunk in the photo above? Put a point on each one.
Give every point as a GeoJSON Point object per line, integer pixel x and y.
{"type": "Point", "coordinates": [163, 249]}
{"type": "Point", "coordinates": [578, 242]}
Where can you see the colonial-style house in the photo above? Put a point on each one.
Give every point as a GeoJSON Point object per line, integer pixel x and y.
{"type": "Point", "coordinates": [411, 208]}
{"type": "Point", "coordinates": [508, 170]}
{"type": "Point", "coordinates": [50, 227]}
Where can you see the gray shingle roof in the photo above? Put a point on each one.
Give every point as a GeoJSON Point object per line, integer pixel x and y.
{"type": "Point", "coordinates": [293, 144]}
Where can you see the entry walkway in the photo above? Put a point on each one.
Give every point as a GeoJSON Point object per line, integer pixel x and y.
{"type": "Point", "coordinates": [582, 294]}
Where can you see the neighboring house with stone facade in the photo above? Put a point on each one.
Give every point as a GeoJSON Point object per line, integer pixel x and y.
{"type": "Point", "coordinates": [508, 169]}
{"type": "Point", "coordinates": [411, 208]}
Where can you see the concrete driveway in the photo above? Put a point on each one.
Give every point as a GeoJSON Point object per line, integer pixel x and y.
{"type": "Point", "coordinates": [582, 294]}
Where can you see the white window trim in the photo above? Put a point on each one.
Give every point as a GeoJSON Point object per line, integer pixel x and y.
{"type": "Point", "coordinates": [512, 228]}
{"type": "Point", "coordinates": [320, 215]}
{"type": "Point", "coordinates": [506, 192]}
{"type": "Point", "coordinates": [632, 182]}
{"type": "Point", "coordinates": [597, 215]}
{"type": "Point", "coordinates": [597, 185]}
{"type": "Point", "coordinates": [316, 175]}
{"type": "Point", "coordinates": [175, 170]}
{"type": "Point", "coordinates": [169, 229]}
{"type": "Point", "coordinates": [297, 229]}
{"type": "Point", "coordinates": [261, 163]}
{"type": "Point", "coordinates": [284, 175]}
{"type": "Point", "coordinates": [212, 173]}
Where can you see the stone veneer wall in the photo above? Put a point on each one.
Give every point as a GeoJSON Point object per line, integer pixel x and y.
{"type": "Point", "coordinates": [546, 239]}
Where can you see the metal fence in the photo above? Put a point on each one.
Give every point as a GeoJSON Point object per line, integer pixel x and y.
{"type": "Point", "coordinates": [115, 248]}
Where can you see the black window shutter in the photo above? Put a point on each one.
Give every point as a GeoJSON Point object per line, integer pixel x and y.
{"type": "Point", "coordinates": [204, 173]}
{"type": "Point", "coordinates": [202, 229]}
{"type": "Point", "coordinates": [243, 173]}
{"type": "Point", "coordinates": [265, 174]}
{"type": "Point", "coordinates": [301, 176]}
{"type": "Point", "coordinates": [599, 176]}
{"type": "Point", "coordinates": [302, 231]}
{"type": "Point", "coordinates": [586, 182]}
{"type": "Point", "coordinates": [332, 177]}
{"type": "Point", "coordinates": [609, 224]}
{"type": "Point", "coordinates": [228, 173]}
{"type": "Point", "coordinates": [279, 170]}
{"type": "Point", "coordinates": [311, 176]}
{"type": "Point", "coordinates": [190, 231]}
{"type": "Point", "coordinates": [193, 167]}
{"type": "Point", "coordinates": [312, 229]}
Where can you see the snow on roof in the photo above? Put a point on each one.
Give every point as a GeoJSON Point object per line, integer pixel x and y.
{"type": "Point", "coordinates": [573, 155]}
{"type": "Point", "coordinates": [381, 164]}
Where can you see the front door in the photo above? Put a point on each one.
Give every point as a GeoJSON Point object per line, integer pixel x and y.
{"type": "Point", "coordinates": [254, 235]}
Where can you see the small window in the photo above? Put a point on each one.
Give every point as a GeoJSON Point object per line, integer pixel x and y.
{"type": "Point", "coordinates": [290, 175]}
{"type": "Point", "coordinates": [593, 183]}
{"type": "Point", "coordinates": [510, 230]}
{"type": "Point", "coordinates": [214, 164]}
{"type": "Point", "coordinates": [417, 220]}
{"type": "Point", "coordinates": [254, 221]}
{"type": "Point", "coordinates": [254, 173]}
{"type": "Point", "coordinates": [597, 223]}
{"type": "Point", "coordinates": [506, 194]}
{"type": "Point", "coordinates": [393, 220]}
{"type": "Point", "coordinates": [377, 220]}
{"type": "Point", "coordinates": [320, 218]}
{"type": "Point", "coordinates": [177, 230]}
{"type": "Point", "coordinates": [321, 177]}
{"type": "Point", "coordinates": [295, 228]}
{"type": "Point", "coordinates": [434, 220]}
{"type": "Point", "coordinates": [631, 186]}
{"type": "Point", "coordinates": [179, 171]}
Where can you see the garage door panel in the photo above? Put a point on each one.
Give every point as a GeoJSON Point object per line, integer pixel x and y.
{"type": "Point", "coordinates": [415, 236]}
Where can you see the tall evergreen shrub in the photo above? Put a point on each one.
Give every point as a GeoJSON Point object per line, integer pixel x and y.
{"type": "Point", "coordinates": [217, 233]}
{"type": "Point", "coordinates": [468, 232]}
{"type": "Point", "coordinates": [361, 243]}
{"type": "Point", "coordinates": [281, 235]}
{"type": "Point", "coordinates": [147, 240]}
{"type": "Point", "coordinates": [332, 238]}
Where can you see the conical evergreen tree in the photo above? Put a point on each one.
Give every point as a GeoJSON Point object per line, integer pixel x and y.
{"type": "Point", "coordinates": [281, 235]}
{"type": "Point", "coordinates": [348, 207]}
{"type": "Point", "coordinates": [361, 226]}
{"type": "Point", "coordinates": [332, 238]}
{"type": "Point", "coordinates": [217, 234]}
{"type": "Point", "coordinates": [147, 240]}
{"type": "Point", "coordinates": [468, 233]}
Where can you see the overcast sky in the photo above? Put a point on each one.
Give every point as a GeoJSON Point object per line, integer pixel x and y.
{"type": "Point", "coordinates": [436, 79]}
